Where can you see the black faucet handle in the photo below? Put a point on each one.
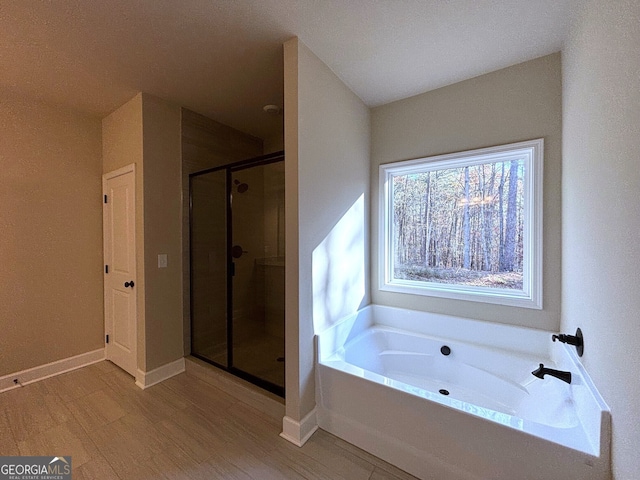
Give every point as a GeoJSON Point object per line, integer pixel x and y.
{"type": "Point", "coordinates": [570, 339]}
{"type": "Point", "coordinates": [576, 340]}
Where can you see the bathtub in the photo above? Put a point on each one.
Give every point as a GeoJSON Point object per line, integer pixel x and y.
{"type": "Point", "coordinates": [451, 398]}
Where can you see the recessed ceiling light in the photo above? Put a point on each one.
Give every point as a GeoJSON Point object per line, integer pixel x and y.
{"type": "Point", "coordinates": [272, 109]}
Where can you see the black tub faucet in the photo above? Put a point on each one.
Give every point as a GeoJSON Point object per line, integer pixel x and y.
{"type": "Point", "coordinates": [542, 371]}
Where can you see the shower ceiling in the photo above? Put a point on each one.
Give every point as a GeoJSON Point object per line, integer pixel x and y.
{"type": "Point", "coordinates": [223, 58]}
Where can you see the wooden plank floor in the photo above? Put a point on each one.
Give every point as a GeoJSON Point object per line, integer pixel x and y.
{"type": "Point", "coordinates": [183, 428]}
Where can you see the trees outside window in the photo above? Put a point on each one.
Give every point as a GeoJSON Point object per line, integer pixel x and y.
{"type": "Point", "coordinates": [465, 225]}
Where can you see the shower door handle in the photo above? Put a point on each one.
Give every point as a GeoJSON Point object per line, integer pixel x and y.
{"type": "Point", "coordinates": [237, 251]}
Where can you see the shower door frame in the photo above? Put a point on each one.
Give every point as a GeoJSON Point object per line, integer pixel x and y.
{"type": "Point", "coordinates": [229, 169]}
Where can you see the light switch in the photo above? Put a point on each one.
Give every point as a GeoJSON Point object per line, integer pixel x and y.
{"type": "Point", "coordinates": [162, 260]}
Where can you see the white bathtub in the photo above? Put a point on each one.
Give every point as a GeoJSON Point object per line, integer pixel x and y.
{"type": "Point", "coordinates": [478, 413]}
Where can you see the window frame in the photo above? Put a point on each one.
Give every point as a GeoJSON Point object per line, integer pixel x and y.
{"type": "Point", "coordinates": [532, 151]}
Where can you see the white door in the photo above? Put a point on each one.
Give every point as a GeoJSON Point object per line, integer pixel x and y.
{"type": "Point", "coordinates": [119, 221]}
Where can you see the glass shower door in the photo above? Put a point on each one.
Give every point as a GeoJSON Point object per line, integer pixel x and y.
{"type": "Point", "coordinates": [209, 284]}
{"type": "Point", "coordinates": [257, 261]}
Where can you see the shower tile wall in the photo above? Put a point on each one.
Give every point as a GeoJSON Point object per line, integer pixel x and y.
{"type": "Point", "coordinates": [206, 144]}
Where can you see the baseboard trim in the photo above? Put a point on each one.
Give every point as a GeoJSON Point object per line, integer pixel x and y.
{"type": "Point", "coordinates": [299, 432]}
{"type": "Point", "coordinates": [160, 374]}
{"type": "Point", "coordinates": [35, 374]}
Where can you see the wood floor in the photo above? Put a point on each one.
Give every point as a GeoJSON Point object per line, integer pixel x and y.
{"type": "Point", "coordinates": [183, 428]}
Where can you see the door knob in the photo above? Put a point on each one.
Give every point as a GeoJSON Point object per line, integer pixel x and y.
{"type": "Point", "coordinates": [128, 284]}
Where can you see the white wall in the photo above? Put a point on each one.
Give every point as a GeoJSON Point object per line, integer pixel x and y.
{"type": "Point", "coordinates": [146, 131]}
{"type": "Point", "coordinates": [161, 128]}
{"type": "Point", "coordinates": [521, 102]}
{"type": "Point", "coordinates": [327, 135]}
{"type": "Point", "coordinates": [601, 210]}
{"type": "Point", "coordinates": [50, 234]}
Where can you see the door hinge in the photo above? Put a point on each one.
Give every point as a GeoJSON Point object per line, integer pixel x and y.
{"type": "Point", "coordinates": [105, 199]}
{"type": "Point", "coordinates": [106, 269]}
{"type": "Point", "coordinates": [107, 339]}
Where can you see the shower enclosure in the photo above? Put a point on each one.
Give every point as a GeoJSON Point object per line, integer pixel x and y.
{"type": "Point", "coordinates": [237, 269]}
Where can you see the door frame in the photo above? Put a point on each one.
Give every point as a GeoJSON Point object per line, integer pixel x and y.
{"type": "Point", "coordinates": [229, 169]}
{"type": "Point", "coordinates": [131, 168]}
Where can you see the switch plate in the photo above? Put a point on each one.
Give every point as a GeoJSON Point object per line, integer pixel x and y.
{"type": "Point", "coordinates": [162, 260]}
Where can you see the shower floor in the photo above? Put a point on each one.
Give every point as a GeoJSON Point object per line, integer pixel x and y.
{"type": "Point", "coordinates": [257, 355]}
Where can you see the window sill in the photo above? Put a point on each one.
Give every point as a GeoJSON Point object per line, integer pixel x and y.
{"type": "Point", "coordinates": [459, 292]}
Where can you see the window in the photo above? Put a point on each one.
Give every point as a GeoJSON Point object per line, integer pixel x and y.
{"type": "Point", "coordinates": [465, 225]}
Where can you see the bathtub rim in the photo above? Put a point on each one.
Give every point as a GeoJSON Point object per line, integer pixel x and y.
{"type": "Point", "coordinates": [421, 322]}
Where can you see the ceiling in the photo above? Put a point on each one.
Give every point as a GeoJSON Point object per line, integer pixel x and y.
{"type": "Point", "coordinates": [223, 58]}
